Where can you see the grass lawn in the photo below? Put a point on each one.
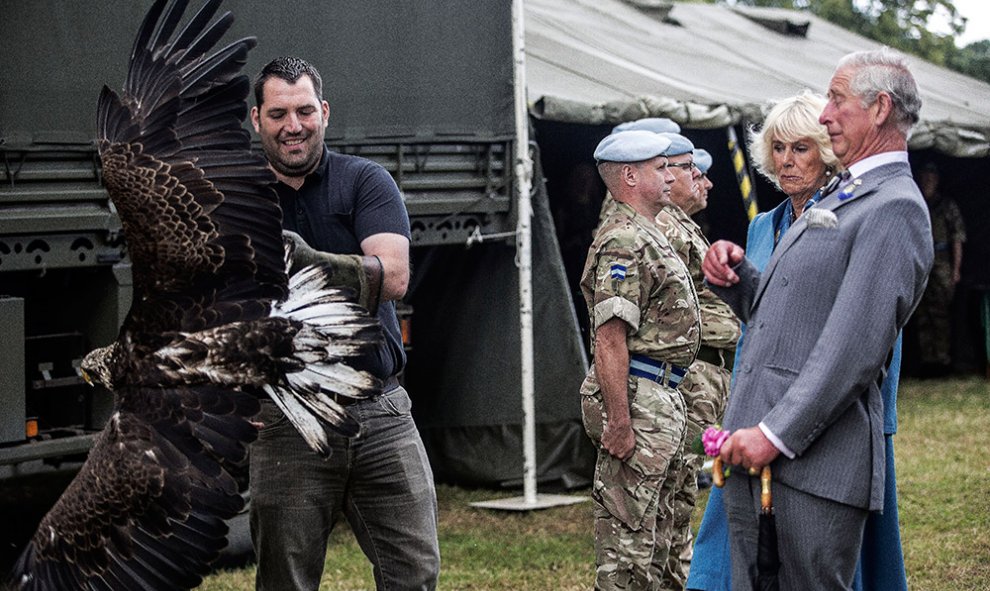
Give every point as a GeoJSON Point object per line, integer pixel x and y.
{"type": "Point", "coordinates": [943, 474]}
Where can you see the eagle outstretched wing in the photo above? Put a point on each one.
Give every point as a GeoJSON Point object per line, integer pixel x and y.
{"type": "Point", "coordinates": [215, 324]}
{"type": "Point", "coordinates": [146, 510]}
{"type": "Point", "coordinates": [197, 207]}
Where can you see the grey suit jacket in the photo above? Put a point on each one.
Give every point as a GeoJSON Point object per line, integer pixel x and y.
{"type": "Point", "coordinates": [821, 320]}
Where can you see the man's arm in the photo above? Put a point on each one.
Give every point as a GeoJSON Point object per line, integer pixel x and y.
{"type": "Point", "coordinates": [719, 262]}
{"type": "Point", "coordinates": [612, 370]}
{"type": "Point", "coordinates": [731, 276]}
{"type": "Point", "coordinates": [957, 235]}
{"type": "Point", "coordinates": [957, 255]}
{"type": "Point", "coordinates": [393, 252]}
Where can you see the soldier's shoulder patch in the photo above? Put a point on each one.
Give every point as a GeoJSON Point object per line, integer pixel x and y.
{"type": "Point", "coordinates": [618, 271]}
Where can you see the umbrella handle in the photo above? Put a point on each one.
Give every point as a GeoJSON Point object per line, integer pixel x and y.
{"type": "Point", "coordinates": [766, 498]}
{"type": "Point", "coordinates": [718, 475]}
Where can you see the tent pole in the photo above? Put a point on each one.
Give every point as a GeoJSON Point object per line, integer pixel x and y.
{"type": "Point", "coordinates": [524, 243]}
{"type": "Point", "coordinates": [524, 260]}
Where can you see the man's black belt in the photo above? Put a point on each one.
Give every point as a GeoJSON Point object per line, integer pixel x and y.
{"type": "Point", "coordinates": [717, 356]}
{"type": "Point", "coordinates": [390, 383]}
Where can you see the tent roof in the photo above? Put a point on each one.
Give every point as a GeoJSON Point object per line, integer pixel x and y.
{"type": "Point", "coordinates": [708, 66]}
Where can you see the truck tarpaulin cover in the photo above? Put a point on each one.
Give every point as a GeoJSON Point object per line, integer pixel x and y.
{"type": "Point", "coordinates": [390, 69]}
{"type": "Point", "coordinates": [435, 75]}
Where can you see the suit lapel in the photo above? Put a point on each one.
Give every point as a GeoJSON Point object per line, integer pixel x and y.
{"type": "Point", "coordinates": [857, 188]}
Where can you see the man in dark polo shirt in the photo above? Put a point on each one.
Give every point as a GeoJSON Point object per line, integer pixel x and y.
{"type": "Point", "coordinates": [381, 480]}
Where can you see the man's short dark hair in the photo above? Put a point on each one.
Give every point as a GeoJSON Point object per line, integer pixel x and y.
{"type": "Point", "coordinates": [290, 69]}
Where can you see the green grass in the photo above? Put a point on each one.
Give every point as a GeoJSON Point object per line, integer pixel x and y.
{"type": "Point", "coordinates": [943, 472]}
{"type": "Point", "coordinates": [943, 483]}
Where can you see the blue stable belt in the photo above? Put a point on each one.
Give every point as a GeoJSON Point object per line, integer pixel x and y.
{"type": "Point", "coordinates": [658, 371]}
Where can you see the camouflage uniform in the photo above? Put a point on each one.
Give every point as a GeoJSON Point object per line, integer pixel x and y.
{"type": "Point", "coordinates": [632, 274]}
{"type": "Point", "coordinates": [608, 206]}
{"type": "Point", "coordinates": [932, 316]}
{"type": "Point", "coordinates": [706, 387]}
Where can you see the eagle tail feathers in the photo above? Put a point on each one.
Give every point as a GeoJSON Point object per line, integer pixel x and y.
{"type": "Point", "coordinates": [342, 379]}
{"type": "Point", "coordinates": [305, 422]}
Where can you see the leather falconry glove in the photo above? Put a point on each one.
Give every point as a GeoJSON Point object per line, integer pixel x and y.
{"type": "Point", "coordinates": [363, 274]}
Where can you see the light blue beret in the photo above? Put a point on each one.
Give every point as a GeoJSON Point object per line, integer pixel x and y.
{"type": "Point", "coordinates": [703, 160]}
{"type": "Point", "coordinates": [654, 124]}
{"type": "Point", "coordinates": [631, 146]}
{"type": "Point", "coordinates": [678, 144]}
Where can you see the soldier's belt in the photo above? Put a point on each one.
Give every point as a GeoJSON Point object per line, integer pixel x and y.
{"type": "Point", "coordinates": [715, 356]}
{"type": "Point", "coordinates": [658, 371]}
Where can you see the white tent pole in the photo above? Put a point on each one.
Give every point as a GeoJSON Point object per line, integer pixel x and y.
{"type": "Point", "coordinates": [524, 260]}
{"type": "Point", "coordinates": [524, 242]}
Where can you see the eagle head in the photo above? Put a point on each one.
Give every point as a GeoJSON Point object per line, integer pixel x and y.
{"type": "Point", "coordinates": [96, 366]}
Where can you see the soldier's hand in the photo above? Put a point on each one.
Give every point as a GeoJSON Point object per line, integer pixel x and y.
{"type": "Point", "coordinates": [719, 261]}
{"type": "Point", "coordinates": [619, 441]}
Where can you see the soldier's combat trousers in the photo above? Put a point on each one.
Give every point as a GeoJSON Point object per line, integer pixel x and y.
{"type": "Point", "coordinates": [634, 498]}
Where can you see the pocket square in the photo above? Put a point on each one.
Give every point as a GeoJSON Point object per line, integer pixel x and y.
{"type": "Point", "coordinates": [821, 218]}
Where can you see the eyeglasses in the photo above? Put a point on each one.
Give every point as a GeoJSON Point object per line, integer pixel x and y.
{"type": "Point", "coordinates": [684, 165]}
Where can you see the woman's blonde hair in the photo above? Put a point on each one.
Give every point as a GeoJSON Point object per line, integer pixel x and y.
{"type": "Point", "coordinates": [789, 120]}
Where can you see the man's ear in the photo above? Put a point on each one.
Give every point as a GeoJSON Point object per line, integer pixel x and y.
{"type": "Point", "coordinates": [629, 175]}
{"type": "Point", "coordinates": [884, 108]}
{"type": "Point", "coordinates": [255, 119]}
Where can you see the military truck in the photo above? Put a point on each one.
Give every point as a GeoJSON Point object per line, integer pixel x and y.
{"type": "Point", "coordinates": [424, 88]}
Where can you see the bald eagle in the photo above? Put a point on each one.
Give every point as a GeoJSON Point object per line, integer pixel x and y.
{"type": "Point", "coordinates": [216, 323]}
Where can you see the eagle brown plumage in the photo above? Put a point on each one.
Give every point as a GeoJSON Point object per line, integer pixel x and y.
{"type": "Point", "coordinates": [215, 324]}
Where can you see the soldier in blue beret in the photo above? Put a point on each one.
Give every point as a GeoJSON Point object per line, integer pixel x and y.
{"type": "Point", "coordinates": [706, 387]}
{"type": "Point", "coordinates": [703, 162]}
{"type": "Point", "coordinates": [654, 124]}
{"type": "Point", "coordinates": [645, 327]}
{"type": "Point", "coordinates": [702, 159]}
{"type": "Point", "coordinates": [641, 133]}
{"type": "Point", "coordinates": [631, 146]}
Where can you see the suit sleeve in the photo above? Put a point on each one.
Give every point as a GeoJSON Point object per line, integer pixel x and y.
{"type": "Point", "coordinates": [740, 296]}
{"type": "Point", "coordinates": [884, 278]}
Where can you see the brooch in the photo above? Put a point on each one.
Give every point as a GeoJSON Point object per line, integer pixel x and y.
{"type": "Point", "coordinates": [847, 192]}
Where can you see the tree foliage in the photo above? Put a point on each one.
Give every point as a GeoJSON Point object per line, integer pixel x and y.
{"type": "Point", "coordinates": [974, 60]}
{"type": "Point", "coordinates": [902, 24]}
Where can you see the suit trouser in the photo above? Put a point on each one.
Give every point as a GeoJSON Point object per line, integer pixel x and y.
{"type": "Point", "coordinates": [881, 562]}
{"type": "Point", "coordinates": [819, 539]}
